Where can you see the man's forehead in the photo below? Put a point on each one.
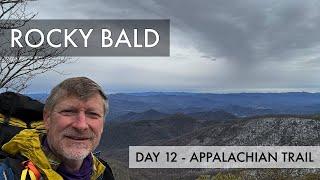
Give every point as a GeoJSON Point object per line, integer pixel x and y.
{"type": "Point", "coordinates": [94, 100]}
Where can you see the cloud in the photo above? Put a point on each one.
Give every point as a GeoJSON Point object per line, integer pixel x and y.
{"type": "Point", "coordinates": [254, 44]}
{"type": "Point", "coordinates": [248, 32]}
{"type": "Point", "coordinates": [243, 31]}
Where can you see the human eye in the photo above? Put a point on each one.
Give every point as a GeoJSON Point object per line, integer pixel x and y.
{"type": "Point", "coordinates": [68, 112]}
{"type": "Point", "coordinates": [93, 115]}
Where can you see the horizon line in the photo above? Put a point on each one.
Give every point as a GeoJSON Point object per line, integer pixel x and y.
{"type": "Point", "coordinates": [191, 92]}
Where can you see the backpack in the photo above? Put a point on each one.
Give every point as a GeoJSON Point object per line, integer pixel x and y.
{"type": "Point", "coordinates": [18, 112]}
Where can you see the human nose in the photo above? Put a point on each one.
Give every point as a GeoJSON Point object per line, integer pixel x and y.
{"type": "Point", "coordinates": [80, 122]}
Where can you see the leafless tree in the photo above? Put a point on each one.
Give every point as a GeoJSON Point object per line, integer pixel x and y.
{"type": "Point", "coordinates": [18, 66]}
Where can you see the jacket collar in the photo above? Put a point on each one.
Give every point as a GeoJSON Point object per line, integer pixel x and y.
{"type": "Point", "coordinates": [28, 144]}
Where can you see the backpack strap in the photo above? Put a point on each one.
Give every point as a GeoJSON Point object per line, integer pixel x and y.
{"type": "Point", "coordinates": [31, 170]}
{"type": "Point", "coordinates": [17, 168]}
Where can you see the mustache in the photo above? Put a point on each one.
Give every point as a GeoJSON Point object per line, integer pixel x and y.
{"type": "Point", "coordinates": [82, 135]}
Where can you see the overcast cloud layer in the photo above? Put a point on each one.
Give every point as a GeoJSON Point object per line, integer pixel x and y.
{"type": "Point", "coordinates": [216, 45]}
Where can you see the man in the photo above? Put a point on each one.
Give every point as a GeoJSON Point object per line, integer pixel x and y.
{"type": "Point", "coordinates": [73, 116]}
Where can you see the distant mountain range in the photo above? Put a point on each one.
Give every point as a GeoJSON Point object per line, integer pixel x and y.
{"type": "Point", "coordinates": [135, 106]}
{"type": "Point", "coordinates": [213, 116]}
{"type": "Point", "coordinates": [239, 104]}
{"type": "Point", "coordinates": [152, 114]}
{"type": "Point", "coordinates": [146, 115]}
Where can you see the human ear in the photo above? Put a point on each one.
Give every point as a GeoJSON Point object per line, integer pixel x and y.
{"type": "Point", "coordinates": [46, 119]}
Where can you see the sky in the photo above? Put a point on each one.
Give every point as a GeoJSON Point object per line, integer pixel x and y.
{"type": "Point", "coordinates": [216, 46]}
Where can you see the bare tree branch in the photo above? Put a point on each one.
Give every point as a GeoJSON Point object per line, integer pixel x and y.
{"type": "Point", "coordinates": [18, 66]}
